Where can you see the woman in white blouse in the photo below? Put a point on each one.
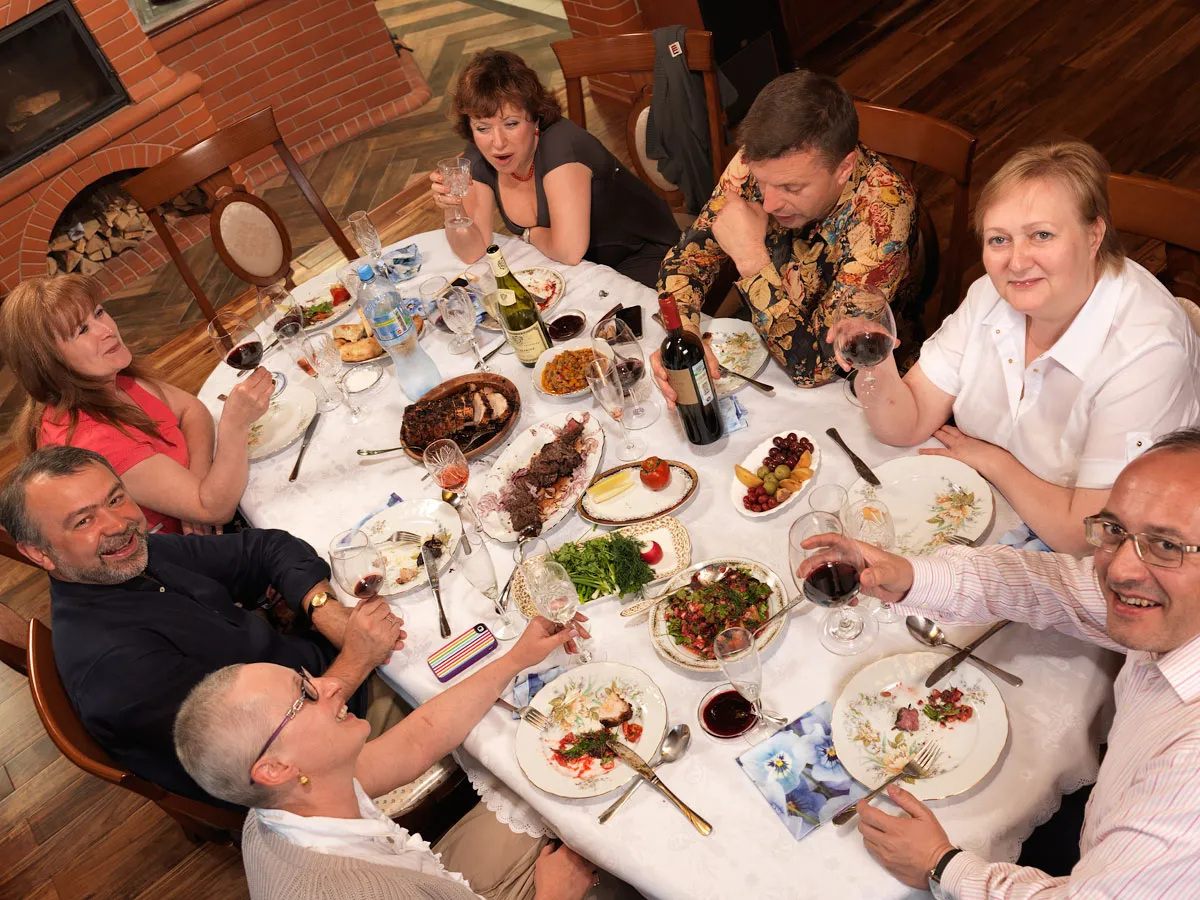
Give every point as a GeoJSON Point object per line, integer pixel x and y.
{"type": "Point", "coordinates": [1062, 364]}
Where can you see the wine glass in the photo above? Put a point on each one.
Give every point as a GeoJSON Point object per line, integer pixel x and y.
{"type": "Point", "coordinates": [864, 334]}
{"type": "Point", "coordinates": [476, 564]}
{"type": "Point", "coordinates": [631, 369]}
{"type": "Point", "coordinates": [358, 565]}
{"type": "Point", "coordinates": [430, 290]}
{"type": "Point", "coordinates": [366, 235]}
{"type": "Point", "coordinates": [456, 173]}
{"type": "Point", "coordinates": [236, 341]}
{"type": "Point", "coordinates": [602, 378]}
{"type": "Point", "coordinates": [736, 651]}
{"type": "Point", "coordinates": [446, 464]}
{"type": "Point", "coordinates": [325, 357]}
{"type": "Point", "coordinates": [278, 307]}
{"type": "Point", "coordinates": [833, 584]}
{"type": "Point", "coordinates": [291, 337]}
{"type": "Point", "coordinates": [556, 598]}
{"type": "Point", "coordinates": [830, 498]}
{"type": "Point", "coordinates": [458, 312]}
{"type": "Point", "coordinates": [869, 520]}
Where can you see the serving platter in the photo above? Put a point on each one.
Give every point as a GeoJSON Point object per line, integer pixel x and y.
{"type": "Point", "coordinates": [639, 503]}
{"type": "Point", "coordinates": [426, 517]}
{"type": "Point", "coordinates": [454, 385]}
{"type": "Point", "coordinates": [872, 748]}
{"type": "Point", "coordinates": [282, 424]}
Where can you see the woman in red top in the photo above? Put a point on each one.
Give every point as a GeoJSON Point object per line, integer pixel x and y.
{"type": "Point", "coordinates": [86, 389]}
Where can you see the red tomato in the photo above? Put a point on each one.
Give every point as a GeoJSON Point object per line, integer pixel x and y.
{"type": "Point", "coordinates": [655, 473]}
{"type": "Point", "coordinates": [339, 293]}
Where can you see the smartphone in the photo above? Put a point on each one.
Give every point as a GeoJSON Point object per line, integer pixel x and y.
{"type": "Point", "coordinates": [632, 316]}
{"type": "Point", "coordinates": [462, 652]}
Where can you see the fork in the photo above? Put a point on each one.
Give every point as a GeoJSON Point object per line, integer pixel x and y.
{"type": "Point", "coordinates": [405, 537]}
{"type": "Point", "coordinates": [527, 713]}
{"type": "Point", "coordinates": [960, 540]}
{"type": "Point", "coordinates": [919, 766]}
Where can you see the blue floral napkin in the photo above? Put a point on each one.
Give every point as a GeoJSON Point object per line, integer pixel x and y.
{"type": "Point", "coordinates": [733, 414]}
{"type": "Point", "coordinates": [402, 263]}
{"type": "Point", "coordinates": [1023, 538]}
{"type": "Point", "coordinates": [526, 685]}
{"type": "Point", "coordinates": [798, 772]}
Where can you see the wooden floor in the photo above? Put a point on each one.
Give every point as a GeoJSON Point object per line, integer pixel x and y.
{"type": "Point", "coordinates": [1123, 75]}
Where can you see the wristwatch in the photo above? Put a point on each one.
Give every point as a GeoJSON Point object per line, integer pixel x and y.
{"type": "Point", "coordinates": [936, 873]}
{"type": "Point", "coordinates": [525, 235]}
{"type": "Point", "coordinates": [319, 599]}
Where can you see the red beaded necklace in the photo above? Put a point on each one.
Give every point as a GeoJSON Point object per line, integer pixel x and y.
{"type": "Point", "coordinates": [532, 161]}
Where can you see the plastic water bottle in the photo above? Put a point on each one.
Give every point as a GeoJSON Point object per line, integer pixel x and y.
{"type": "Point", "coordinates": [396, 333]}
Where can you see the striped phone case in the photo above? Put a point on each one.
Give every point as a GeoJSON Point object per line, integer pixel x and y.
{"type": "Point", "coordinates": [462, 652]}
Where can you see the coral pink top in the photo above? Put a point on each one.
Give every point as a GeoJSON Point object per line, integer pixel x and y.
{"type": "Point", "coordinates": [125, 450]}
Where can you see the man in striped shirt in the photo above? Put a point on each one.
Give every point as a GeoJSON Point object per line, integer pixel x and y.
{"type": "Point", "coordinates": [1139, 594]}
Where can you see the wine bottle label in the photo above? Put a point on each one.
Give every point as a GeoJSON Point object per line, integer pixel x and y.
{"type": "Point", "coordinates": [703, 382]}
{"type": "Point", "coordinates": [529, 343]}
{"type": "Point", "coordinates": [506, 298]}
{"type": "Point", "coordinates": [499, 266]}
{"type": "Point", "coordinates": [691, 386]}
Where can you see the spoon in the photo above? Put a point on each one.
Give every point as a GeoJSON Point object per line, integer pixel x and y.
{"type": "Point", "coordinates": [787, 608]}
{"type": "Point", "coordinates": [710, 574]}
{"type": "Point", "coordinates": [674, 745]}
{"type": "Point", "coordinates": [928, 633]}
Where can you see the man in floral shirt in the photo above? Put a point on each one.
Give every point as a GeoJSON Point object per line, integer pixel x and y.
{"type": "Point", "coordinates": [808, 215]}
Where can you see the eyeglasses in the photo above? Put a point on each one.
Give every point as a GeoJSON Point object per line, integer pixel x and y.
{"type": "Point", "coordinates": [308, 691]}
{"type": "Point", "coordinates": [1151, 549]}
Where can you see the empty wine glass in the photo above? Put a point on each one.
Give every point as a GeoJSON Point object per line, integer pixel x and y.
{"type": "Point", "coordinates": [556, 598]}
{"type": "Point", "coordinates": [864, 334]}
{"type": "Point", "coordinates": [602, 378]}
{"type": "Point", "coordinates": [430, 290]}
{"type": "Point", "coordinates": [868, 520]}
{"type": "Point", "coordinates": [476, 563]}
{"type": "Point", "coordinates": [291, 338]}
{"type": "Point", "coordinates": [614, 335]}
{"type": "Point", "coordinates": [833, 583]}
{"type": "Point", "coordinates": [736, 651]}
{"type": "Point", "coordinates": [325, 357]}
{"type": "Point", "coordinates": [458, 312]}
{"type": "Point", "coordinates": [357, 564]}
{"type": "Point", "coordinates": [366, 235]}
{"type": "Point", "coordinates": [830, 498]}
{"type": "Point", "coordinates": [456, 172]}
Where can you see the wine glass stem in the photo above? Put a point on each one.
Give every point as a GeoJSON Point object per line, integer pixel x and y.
{"type": "Point", "coordinates": [629, 445]}
{"type": "Point", "coordinates": [478, 356]}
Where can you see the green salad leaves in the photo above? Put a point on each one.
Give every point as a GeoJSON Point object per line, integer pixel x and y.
{"type": "Point", "coordinates": [611, 564]}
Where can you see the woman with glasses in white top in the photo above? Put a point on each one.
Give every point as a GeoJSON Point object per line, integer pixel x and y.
{"type": "Point", "coordinates": [1062, 364]}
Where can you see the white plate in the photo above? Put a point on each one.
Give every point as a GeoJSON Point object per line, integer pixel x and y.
{"type": "Point", "coordinates": [639, 503]}
{"type": "Point", "coordinates": [672, 652]}
{"type": "Point", "coordinates": [283, 423]}
{"type": "Point", "coordinates": [754, 460]}
{"type": "Point", "coordinates": [930, 498]}
{"type": "Point", "coordinates": [517, 455]}
{"type": "Point", "coordinates": [583, 343]}
{"type": "Point", "coordinates": [668, 531]}
{"type": "Point", "coordinates": [547, 286]}
{"type": "Point", "coordinates": [426, 517]}
{"type": "Point", "coordinates": [571, 701]}
{"type": "Point", "coordinates": [737, 346]}
{"type": "Point", "coordinates": [871, 749]}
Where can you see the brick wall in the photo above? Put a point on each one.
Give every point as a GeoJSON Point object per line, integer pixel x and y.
{"type": "Point", "coordinates": [596, 17]}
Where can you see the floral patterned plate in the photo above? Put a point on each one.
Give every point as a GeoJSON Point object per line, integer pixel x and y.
{"type": "Point", "coordinates": [737, 346]}
{"type": "Point", "coordinates": [572, 702]}
{"type": "Point", "coordinates": [871, 747]}
{"type": "Point", "coordinates": [282, 424]}
{"type": "Point", "coordinates": [931, 499]}
{"type": "Point", "coordinates": [426, 517]}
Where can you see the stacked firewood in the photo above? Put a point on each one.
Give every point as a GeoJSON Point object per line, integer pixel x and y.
{"type": "Point", "coordinates": [106, 224]}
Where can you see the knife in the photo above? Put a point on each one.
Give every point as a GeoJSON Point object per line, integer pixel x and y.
{"type": "Point", "coordinates": [432, 573]}
{"type": "Point", "coordinates": [863, 470]}
{"type": "Point", "coordinates": [640, 766]}
{"type": "Point", "coordinates": [500, 346]}
{"type": "Point", "coordinates": [308, 436]}
{"type": "Point", "coordinates": [761, 385]}
{"type": "Point", "coordinates": [954, 661]}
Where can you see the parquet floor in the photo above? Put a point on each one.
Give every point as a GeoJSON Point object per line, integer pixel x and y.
{"type": "Point", "coordinates": [1123, 75]}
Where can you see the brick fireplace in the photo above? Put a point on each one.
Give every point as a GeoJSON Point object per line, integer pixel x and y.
{"type": "Point", "coordinates": [327, 67]}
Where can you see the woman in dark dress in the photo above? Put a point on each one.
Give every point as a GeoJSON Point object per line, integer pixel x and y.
{"type": "Point", "coordinates": [555, 185]}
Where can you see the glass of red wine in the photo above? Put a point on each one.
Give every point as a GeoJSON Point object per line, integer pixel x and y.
{"type": "Point", "coordinates": [358, 565]}
{"type": "Point", "coordinates": [736, 651]}
{"type": "Point", "coordinates": [831, 582]}
{"type": "Point", "coordinates": [613, 335]}
{"type": "Point", "coordinates": [236, 341]}
{"type": "Point", "coordinates": [864, 334]}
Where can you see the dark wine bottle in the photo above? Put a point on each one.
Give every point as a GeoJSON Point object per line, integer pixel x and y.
{"type": "Point", "coordinates": [683, 358]}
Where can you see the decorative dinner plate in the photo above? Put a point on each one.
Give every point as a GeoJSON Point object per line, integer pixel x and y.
{"type": "Point", "coordinates": [283, 423]}
{"type": "Point", "coordinates": [539, 368]}
{"type": "Point", "coordinates": [931, 498]}
{"type": "Point", "coordinates": [738, 347]}
{"type": "Point", "coordinates": [547, 285]}
{"type": "Point", "coordinates": [668, 532]}
{"type": "Point", "coordinates": [572, 702]}
{"type": "Point", "coordinates": [639, 503]}
{"type": "Point", "coordinates": [517, 456]}
{"type": "Point", "coordinates": [674, 653]}
{"type": "Point", "coordinates": [754, 461]}
{"type": "Point", "coordinates": [426, 517]}
{"type": "Point", "coordinates": [892, 692]}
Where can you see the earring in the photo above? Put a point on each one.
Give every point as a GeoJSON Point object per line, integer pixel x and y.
{"type": "Point", "coordinates": [304, 781]}
{"type": "Point", "coordinates": [537, 130]}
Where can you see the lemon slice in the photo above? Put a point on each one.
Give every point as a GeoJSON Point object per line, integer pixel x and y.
{"type": "Point", "coordinates": [612, 486]}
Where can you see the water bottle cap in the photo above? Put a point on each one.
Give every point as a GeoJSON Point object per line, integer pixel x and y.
{"type": "Point", "coordinates": [365, 272]}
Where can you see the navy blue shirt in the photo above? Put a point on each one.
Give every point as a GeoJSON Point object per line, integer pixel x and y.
{"type": "Point", "coordinates": [129, 653]}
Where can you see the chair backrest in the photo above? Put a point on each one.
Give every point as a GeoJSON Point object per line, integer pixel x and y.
{"type": "Point", "coordinates": [247, 233]}
{"type": "Point", "coordinates": [14, 637]}
{"type": "Point", "coordinates": [584, 57]}
{"type": "Point", "coordinates": [910, 139]}
{"type": "Point", "coordinates": [1159, 210]}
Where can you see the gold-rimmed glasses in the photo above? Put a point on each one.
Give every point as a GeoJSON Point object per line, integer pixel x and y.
{"type": "Point", "coordinates": [1152, 549]}
{"type": "Point", "coordinates": [308, 691]}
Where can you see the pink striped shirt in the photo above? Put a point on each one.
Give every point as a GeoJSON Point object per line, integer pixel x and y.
{"type": "Point", "coordinates": [1141, 831]}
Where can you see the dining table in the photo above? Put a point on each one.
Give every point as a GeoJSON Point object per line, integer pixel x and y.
{"type": "Point", "coordinates": [1056, 719]}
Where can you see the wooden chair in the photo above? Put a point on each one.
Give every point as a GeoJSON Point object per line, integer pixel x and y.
{"type": "Point", "coordinates": [200, 821]}
{"type": "Point", "coordinates": [910, 139]}
{"type": "Point", "coordinates": [1157, 209]}
{"type": "Point", "coordinates": [14, 638]}
{"type": "Point", "coordinates": [633, 54]}
{"type": "Point", "coordinates": [248, 234]}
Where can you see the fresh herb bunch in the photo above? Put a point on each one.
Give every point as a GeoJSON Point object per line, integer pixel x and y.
{"type": "Point", "coordinates": [590, 743]}
{"type": "Point", "coordinates": [611, 564]}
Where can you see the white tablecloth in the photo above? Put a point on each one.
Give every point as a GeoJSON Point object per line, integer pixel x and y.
{"type": "Point", "coordinates": [1053, 718]}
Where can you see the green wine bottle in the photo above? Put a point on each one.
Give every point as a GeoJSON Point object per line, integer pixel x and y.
{"type": "Point", "coordinates": [519, 315]}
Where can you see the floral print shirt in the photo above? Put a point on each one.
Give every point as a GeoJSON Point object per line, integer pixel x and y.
{"type": "Point", "coordinates": [868, 240]}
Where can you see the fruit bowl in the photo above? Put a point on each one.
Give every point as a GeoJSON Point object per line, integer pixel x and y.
{"type": "Point", "coordinates": [757, 458]}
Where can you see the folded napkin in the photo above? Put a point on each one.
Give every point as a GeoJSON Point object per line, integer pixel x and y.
{"type": "Point", "coordinates": [1023, 538]}
{"type": "Point", "coordinates": [798, 772]}
{"type": "Point", "coordinates": [392, 500]}
{"type": "Point", "coordinates": [402, 263]}
{"type": "Point", "coordinates": [528, 683]}
{"type": "Point", "coordinates": [733, 414]}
